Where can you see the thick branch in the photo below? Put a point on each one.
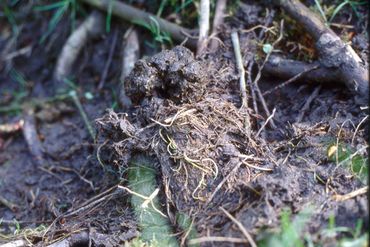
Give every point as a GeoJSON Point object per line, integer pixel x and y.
{"type": "Point", "coordinates": [334, 54]}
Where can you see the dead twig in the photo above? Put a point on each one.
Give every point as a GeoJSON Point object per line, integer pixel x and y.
{"type": "Point", "coordinates": [255, 82]}
{"type": "Point", "coordinates": [195, 241]}
{"type": "Point", "coordinates": [241, 227]}
{"type": "Point", "coordinates": [357, 128]}
{"type": "Point", "coordinates": [203, 26]}
{"type": "Point", "coordinates": [293, 79]}
{"type": "Point", "coordinates": [266, 122]}
{"type": "Point", "coordinates": [308, 103]}
{"type": "Point", "coordinates": [109, 60]}
{"type": "Point", "coordinates": [239, 63]}
{"type": "Point", "coordinates": [352, 194]}
{"type": "Point", "coordinates": [83, 114]}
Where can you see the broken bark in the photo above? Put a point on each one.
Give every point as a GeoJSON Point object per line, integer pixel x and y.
{"type": "Point", "coordinates": [334, 54]}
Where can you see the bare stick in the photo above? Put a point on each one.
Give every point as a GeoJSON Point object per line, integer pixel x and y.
{"type": "Point", "coordinates": [217, 21]}
{"type": "Point", "coordinates": [308, 103]}
{"type": "Point", "coordinates": [266, 122]}
{"type": "Point", "coordinates": [90, 28]}
{"type": "Point", "coordinates": [352, 194]}
{"type": "Point", "coordinates": [83, 114]}
{"type": "Point", "coordinates": [109, 60]}
{"type": "Point", "coordinates": [131, 14]}
{"type": "Point", "coordinates": [333, 52]}
{"type": "Point", "coordinates": [203, 26]}
{"type": "Point", "coordinates": [195, 241]}
{"type": "Point", "coordinates": [294, 78]}
{"type": "Point", "coordinates": [241, 227]}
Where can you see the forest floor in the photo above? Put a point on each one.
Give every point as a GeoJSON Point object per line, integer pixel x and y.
{"type": "Point", "coordinates": [298, 178]}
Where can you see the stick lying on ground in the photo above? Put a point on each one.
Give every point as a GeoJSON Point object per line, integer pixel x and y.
{"type": "Point", "coordinates": [130, 14]}
{"type": "Point", "coordinates": [90, 28]}
{"type": "Point", "coordinates": [335, 56]}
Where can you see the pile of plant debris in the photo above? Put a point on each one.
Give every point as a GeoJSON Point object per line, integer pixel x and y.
{"type": "Point", "coordinates": [207, 156]}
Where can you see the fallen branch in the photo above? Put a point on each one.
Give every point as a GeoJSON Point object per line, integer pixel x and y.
{"type": "Point", "coordinates": [333, 52]}
{"type": "Point", "coordinates": [131, 14]}
{"type": "Point", "coordinates": [287, 68]}
{"type": "Point", "coordinates": [90, 28]}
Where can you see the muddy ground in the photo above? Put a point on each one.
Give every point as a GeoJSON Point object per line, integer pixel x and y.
{"type": "Point", "coordinates": [188, 118]}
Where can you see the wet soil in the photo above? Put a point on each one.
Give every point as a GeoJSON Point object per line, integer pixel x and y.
{"type": "Point", "coordinates": [188, 118]}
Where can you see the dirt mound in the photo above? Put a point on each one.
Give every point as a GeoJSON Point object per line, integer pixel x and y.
{"type": "Point", "coordinates": [196, 133]}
